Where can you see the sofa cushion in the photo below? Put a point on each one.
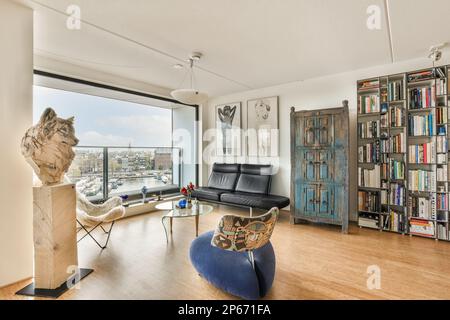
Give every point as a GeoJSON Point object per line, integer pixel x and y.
{"type": "Point", "coordinates": [253, 183]}
{"type": "Point", "coordinates": [226, 167]}
{"type": "Point", "coordinates": [232, 271]}
{"type": "Point", "coordinates": [254, 178]}
{"type": "Point", "coordinates": [257, 169]}
{"type": "Point", "coordinates": [207, 194]}
{"type": "Point", "coordinates": [254, 200]}
{"type": "Point", "coordinates": [224, 176]}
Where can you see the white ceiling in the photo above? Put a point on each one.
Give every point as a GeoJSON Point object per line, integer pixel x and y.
{"type": "Point", "coordinates": [247, 44]}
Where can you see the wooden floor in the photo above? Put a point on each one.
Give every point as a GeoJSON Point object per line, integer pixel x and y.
{"type": "Point", "coordinates": [313, 262]}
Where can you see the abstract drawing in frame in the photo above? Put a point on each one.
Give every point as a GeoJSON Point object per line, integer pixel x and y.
{"type": "Point", "coordinates": [262, 127]}
{"type": "Point", "coordinates": [228, 126]}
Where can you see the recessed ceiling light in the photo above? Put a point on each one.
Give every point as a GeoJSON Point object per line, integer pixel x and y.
{"type": "Point", "coordinates": [178, 66]}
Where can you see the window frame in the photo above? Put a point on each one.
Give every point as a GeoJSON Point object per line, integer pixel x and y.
{"type": "Point", "coordinates": [131, 92]}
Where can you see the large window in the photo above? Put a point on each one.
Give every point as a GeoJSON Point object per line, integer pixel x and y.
{"type": "Point", "coordinates": [123, 145]}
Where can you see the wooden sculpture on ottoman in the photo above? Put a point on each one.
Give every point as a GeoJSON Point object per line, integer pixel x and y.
{"type": "Point", "coordinates": [47, 147]}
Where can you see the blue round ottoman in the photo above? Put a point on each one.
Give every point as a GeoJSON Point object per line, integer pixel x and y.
{"type": "Point", "coordinates": [232, 271]}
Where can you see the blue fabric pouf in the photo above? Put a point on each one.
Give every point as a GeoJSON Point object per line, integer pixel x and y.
{"type": "Point", "coordinates": [232, 271]}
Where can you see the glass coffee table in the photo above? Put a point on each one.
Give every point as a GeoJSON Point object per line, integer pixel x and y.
{"type": "Point", "coordinates": [194, 211]}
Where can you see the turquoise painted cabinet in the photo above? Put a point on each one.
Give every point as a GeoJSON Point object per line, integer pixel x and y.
{"type": "Point", "coordinates": [319, 166]}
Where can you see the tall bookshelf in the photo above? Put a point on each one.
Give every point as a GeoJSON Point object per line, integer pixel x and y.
{"type": "Point", "coordinates": [403, 176]}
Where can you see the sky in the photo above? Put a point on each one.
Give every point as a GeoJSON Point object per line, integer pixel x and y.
{"type": "Point", "coordinates": [107, 122]}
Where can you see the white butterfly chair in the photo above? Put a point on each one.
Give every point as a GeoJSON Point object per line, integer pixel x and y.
{"type": "Point", "coordinates": [91, 216]}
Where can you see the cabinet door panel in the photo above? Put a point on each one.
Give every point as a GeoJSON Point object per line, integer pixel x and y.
{"type": "Point", "coordinates": [324, 130]}
{"type": "Point", "coordinates": [310, 131]}
{"type": "Point", "coordinates": [310, 167]}
{"type": "Point", "coordinates": [325, 201]}
{"type": "Point", "coordinates": [325, 165]}
{"type": "Point", "coordinates": [309, 200]}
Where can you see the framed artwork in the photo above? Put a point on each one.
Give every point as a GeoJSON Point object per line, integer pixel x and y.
{"type": "Point", "coordinates": [228, 127]}
{"type": "Point", "coordinates": [262, 127]}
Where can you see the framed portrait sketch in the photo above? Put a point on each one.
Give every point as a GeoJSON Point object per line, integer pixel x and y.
{"type": "Point", "coordinates": [262, 127]}
{"type": "Point", "coordinates": [228, 127]}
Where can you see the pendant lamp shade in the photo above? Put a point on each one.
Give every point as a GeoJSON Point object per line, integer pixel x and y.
{"type": "Point", "coordinates": [191, 95]}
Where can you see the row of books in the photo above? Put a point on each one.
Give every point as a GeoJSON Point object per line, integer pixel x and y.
{"type": "Point", "coordinates": [369, 84]}
{"type": "Point", "coordinates": [397, 143]}
{"type": "Point", "coordinates": [422, 153]}
{"type": "Point", "coordinates": [441, 87]}
{"type": "Point", "coordinates": [420, 98]}
{"type": "Point", "coordinates": [441, 115]}
{"type": "Point", "coordinates": [441, 144]}
{"type": "Point", "coordinates": [369, 220]}
{"type": "Point", "coordinates": [441, 173]}
{"type": "Point", "coordinates": [394, 222]}
{"type": "Point", "coordinates": [422, 180]}
{"type": "Point", "coordinates": [397, 117]}
{"type": "Point", "coordinates": [397, 170]}
{"type": "Point", "coordinates": [421, 125]}
{"type": "Point", "coordinates": [421, 75]}
{"type": "Point", "coordinates": [370, 129]}
{"type": "Point", "coordinates": [395, 90]}
{"type": "Point", "coordinates": [368, 104]}
{"type": "Point", "coordinates": [442, 232]}
{"type": "Point", "coordinates": [368, 201]}
{"type": "Point", "coordinates": [422, 207]}
{"type": "Point", "coordinates": [442, 202]}
{"type": "Point", "coordinates": [369, 152]}
{"type": "Point", "coordinates": [397, 194]}
{"type": "Point", "coordinates": [421, 227]}
{"type": "Point", "coordinates": [369, 177]}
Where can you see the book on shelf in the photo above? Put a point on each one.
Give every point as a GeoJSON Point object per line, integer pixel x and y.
{"type": "Point", "coordinates": [369, 177]}
{"type": "Point", "coordinates": [384, 106]}
{"type": "Point", "coordinates": [394, 221]}
{"type": "Point", "coordinates": [397, 194]}
{"type": "Point", "coordinates": [422, 207]}
{"type": "Point", "coordinates": [442, 202]}
{"type": "Point", "coordinates": [368, 201]}
{"type": "Point", "coordinates": [369, 129]}
{"type": "Point", "coordinates": [441, 87]}
{"type": "Point", "coordinates": [398, 143]}
{"type": "Point", "coordinates": [421, 125]}
{"type": "Point", "coordinates": [420, 98]}
{"type": "Point", "coordinates": [369, 152]}
{"type": "Point", "coordinates": [395, 90]}
{"type": "Point", "coordinates": [397, 170]}
{"type": "Point", "coordinates": [368, 104]}
{"type": "Point", "coordinates": [369, 84]}
{"type": "Point", "coordinates": [422, 153]}
{"type": "Point", "coordinates": [421, 75]}
{"type": "Point", "coordinates": [369, 220]}
{"type": "Point", "coordinates": [441, 174]}
{"type": "Point", "coordinates": [421, 227]}
{"type": "Point", "coordinates": [441, 144]}
{"type": "Point", "coordinates": [422, 180]}
{"type": "Point", "coordinates": [384, 120]}
{"type": "Point", "coordinates": [442, 232]}
{"type": "Point", "coordinates": [441, 115]}
{"type": "Point", "coordinates": [384, 197]}
{"type": "Point", "coordinates": [397, 117]}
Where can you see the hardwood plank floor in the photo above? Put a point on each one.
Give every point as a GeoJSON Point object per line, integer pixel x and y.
{"type": "Point", "coordinates": [313, 262]}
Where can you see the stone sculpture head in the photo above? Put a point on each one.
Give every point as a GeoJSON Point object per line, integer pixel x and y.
{"type": "Point", "coordinates": [47, 147]}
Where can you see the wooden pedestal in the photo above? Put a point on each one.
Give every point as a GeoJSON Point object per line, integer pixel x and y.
{"type": "Point", "coordinates": [55, 238]}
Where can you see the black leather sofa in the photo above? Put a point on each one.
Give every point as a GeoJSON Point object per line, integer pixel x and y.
{"type": "Point", "coordinates": [242, 185]}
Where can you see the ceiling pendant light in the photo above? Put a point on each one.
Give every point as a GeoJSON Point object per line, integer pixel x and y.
{"type": "Point", "coordinates": [191, 95]}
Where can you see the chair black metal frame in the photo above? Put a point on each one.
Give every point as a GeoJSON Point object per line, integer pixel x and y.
{"type": "Point", "coordinates": [89, 232]}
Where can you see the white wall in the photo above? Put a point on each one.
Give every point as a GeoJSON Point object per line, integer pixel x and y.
{"type": "Point", "coordinates": [16, 78]}
{"type": "Point", "coordinates": [316, 93]}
